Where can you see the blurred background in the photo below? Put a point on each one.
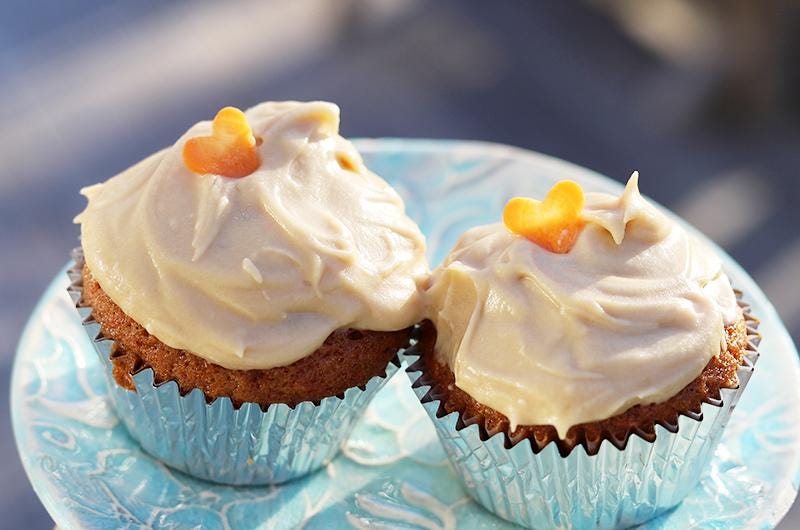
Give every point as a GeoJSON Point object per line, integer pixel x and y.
{"type": "Point", "coordinates": [702, 97]}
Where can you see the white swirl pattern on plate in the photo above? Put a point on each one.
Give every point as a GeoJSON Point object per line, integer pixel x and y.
{"type": "Point", "coordinates": [392, 473]}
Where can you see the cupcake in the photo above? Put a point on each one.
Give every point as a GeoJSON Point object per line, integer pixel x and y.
{"type": "Point", "coordinates": [581, 359]}
{"type": "Point", "coordinates": [249, 289]}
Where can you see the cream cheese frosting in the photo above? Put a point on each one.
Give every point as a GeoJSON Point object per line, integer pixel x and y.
{"type": "Point", "coordinates": [256, 272]}
{"type": "Point", "coordinates": [629, 316]}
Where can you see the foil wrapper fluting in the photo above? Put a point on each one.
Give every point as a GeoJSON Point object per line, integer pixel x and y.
{"type": "Point", "coordinates": [219, 442]}
{"type": "Point", "coordinates": [615, 488]}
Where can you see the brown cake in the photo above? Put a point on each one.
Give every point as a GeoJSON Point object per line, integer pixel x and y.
{"type": "Point", "coordinates": [241, 255]}
{"type": "Point", "coordinates": [348, 358]}
{"type": "Point", "coordinates": [581, 318]}
{"type": "Point", "coordinates": [719, 373]}
{"type": "Point", "coordinates": [575, 309]}
{"type": "Point", "coordinates": [257, 260]}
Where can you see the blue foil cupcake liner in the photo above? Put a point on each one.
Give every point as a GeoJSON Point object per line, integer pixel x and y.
{"type": "Point", "coordinates": [622, 483]}
{"type": "Point", "coordinates": [216, 441]}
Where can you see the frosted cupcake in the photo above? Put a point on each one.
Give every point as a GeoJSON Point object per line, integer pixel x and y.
{"type": "Point", "coordinates": [251, 286]}
{"type": "Point", "coordinates": [583, 359]}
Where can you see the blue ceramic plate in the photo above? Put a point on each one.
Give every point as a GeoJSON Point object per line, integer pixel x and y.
{"type": "Point", "coordinates": [392, 472]}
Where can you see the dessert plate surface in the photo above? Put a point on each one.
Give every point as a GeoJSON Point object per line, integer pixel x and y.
{"type": "Point", "coordinates": [392, 472]}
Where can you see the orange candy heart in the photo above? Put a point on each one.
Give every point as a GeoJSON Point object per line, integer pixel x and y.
{"type": "Point", "coordinates": [554, 223]}
{"type": "Point", "coordinates": [230, 151]}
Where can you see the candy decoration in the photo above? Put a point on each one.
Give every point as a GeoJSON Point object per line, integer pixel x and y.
{"type": "Point", "coordinates": [230, 151]}
{"type": "Point", "coordinates": [554, 223]}
{"type": "Point", "coordinates": [345, 162]}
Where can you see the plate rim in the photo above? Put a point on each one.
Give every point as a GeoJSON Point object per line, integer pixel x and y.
{"type": "Point", "coordinates": [40, 487]}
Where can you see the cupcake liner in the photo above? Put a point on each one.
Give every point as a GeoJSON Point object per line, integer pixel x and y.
{"type": "Point", "coordinates": [216, 441]}
{"type": "Point", "coordinates": [622, 483]}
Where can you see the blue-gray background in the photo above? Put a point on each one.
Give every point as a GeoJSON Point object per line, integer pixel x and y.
{"type": "Point", "coordinates": [703, 100]}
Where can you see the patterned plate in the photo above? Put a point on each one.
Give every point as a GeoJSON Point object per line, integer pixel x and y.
{"type": "Point", "coordinates": [392, 472]}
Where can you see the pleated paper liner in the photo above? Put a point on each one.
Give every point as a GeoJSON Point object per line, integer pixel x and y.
{"type": "Point", "coordinates": [609, 482]}
{"type": "Point", "coordinates": [215, 440]}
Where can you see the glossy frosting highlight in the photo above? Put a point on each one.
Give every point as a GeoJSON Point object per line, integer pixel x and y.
{"type": "Point", "coordinates": [256, 272]}
{"type": "Point", "coordinates": [629, 316]}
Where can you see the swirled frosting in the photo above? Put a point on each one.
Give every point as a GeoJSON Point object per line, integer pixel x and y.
{"type": "Point", "coordinates": [630, 315]}
{"type": "Point", "coordinates": [256, 272]}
